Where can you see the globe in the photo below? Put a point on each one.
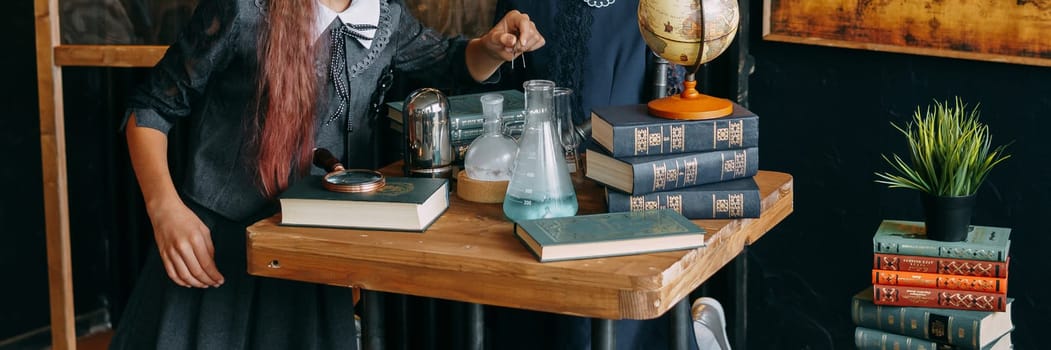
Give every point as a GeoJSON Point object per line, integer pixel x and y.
{"type": "Point", "coordinates": [673, 28]}
{"type": "Point", "coordinates": [689, 33]}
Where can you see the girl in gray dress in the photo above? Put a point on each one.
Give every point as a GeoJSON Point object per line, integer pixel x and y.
{"type": "Point", "coordinates": [258, 84]}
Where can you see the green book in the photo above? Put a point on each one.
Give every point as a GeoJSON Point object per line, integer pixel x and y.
{"type": "Point", "coordinates": [608, 234]}
{"type": "Point", "coordinates": [721, 200]}
{"type": "Point", "coordinates": [964, 329]}
{"type": "Point", "coordinates": [403, 204]}
{"type": "Point", "coordinates": [872, 339]}
{"type": "Point", "coordinates": [909, 238]}
{"type": "Point", "coordinates": [465, 111]}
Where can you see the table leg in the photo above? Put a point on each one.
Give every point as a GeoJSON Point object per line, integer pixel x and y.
{"type": "Point", "coordinates": [741, 300]}
{"type": "Point", "coordinates": [475, 326]}
{"type": "Point", "coordinates": [373, 338]}
{"type": "Point", "coordinates": [603, 335]}
{"type": "Point", "coordinates": [680, 320]}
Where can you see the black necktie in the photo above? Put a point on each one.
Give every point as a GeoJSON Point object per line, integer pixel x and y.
{"type": "Point", "coordinates": [338, 66]}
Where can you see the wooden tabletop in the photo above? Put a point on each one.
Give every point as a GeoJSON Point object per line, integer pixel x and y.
{"type": "Point", "coordinates": [470, 255]}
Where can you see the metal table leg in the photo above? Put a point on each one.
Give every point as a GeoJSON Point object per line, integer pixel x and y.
{"type": "Point", "coordinates": [373, 338]}
{"type": "Point", "coordinates": [603, 335]}
{"type": "Point", "coordinates": [741, 300]}
{"type": "Point", "coordinates": [475, 326]}
{"type": "Point", "coordinates": [680, 320]}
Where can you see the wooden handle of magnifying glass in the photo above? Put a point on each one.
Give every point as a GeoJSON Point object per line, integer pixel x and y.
{"type": "Point", "coordinates": [325, 160]}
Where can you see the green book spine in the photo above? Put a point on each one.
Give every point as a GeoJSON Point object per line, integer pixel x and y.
{"type": "Point", "coordinates": [629, 131]}
{"type": "Point", "coordinates": [871, 339]}
{"type": "Point", "coordinates": [960, 328]}
{"type": "Point", "coordinates": [909, 238]}
{"type": "Point", "coordinates": [465, 111]}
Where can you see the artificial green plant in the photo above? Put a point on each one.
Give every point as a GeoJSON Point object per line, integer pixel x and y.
{"type": "Point", "coordinates": [950, 152]}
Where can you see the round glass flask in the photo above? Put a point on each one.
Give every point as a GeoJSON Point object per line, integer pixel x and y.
{"type": "Point", "coordinates": [540, 185]}
{"type": "Point", "coordinates": [491, 156]}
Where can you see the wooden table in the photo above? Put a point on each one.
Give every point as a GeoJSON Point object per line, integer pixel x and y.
{"type": "Point", "coordinates": [470, 255]}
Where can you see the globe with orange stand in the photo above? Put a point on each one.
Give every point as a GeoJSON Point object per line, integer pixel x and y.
{"type": "Point", "coordinates": [689, 33]}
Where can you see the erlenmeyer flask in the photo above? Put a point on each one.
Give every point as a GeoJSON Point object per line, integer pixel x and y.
{"type": "Point", "coordinates": [540, 185]}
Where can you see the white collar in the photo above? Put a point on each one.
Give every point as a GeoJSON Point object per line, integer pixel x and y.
{"type": "Point", "coordinates": [359, 12]}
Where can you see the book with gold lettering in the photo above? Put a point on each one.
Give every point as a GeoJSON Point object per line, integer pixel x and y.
{"type": "Point", "coordinates": [962, 329]}
{"type": "Point", "coordinates": [630, 131]}
{"type": "Point", "coordinates": [648, 174]}
{"type": "Point", "coordinates": [732, 199]}
{"type": "Point", "coordinates": [608, 234]}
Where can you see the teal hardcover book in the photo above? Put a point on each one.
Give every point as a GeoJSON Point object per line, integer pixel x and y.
{"type": "Point", "coordinates": [403, 204]}
{"type": "Point", "coordinates": [465, 111]}
{"type": "Point", "coordinates": [964, 329]}
{"type": "Point", "coordinates": [874, 339]}
{"type": "Point", "coordinates": [909, 238]}
{"type": "Point", "coordinates": [608, 234]}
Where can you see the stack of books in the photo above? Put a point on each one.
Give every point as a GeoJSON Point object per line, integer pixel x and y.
{"type": "Point", "coordinates": [702, 169]}
{"type": "Point", "coordinates": [929, 294]}
{"type": "Point", "coordinates": [466, 119]}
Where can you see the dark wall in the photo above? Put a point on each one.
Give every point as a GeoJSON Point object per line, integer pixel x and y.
{"type": "Point", "coordinates": [826, 116]}
{"type": "Point", "coordinates": [23, 300]}
{"type": "Point", "coordinates": [102, 198]}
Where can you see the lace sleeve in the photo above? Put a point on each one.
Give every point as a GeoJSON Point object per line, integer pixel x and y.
{"type": "Point", "coordinates": [203, 47]}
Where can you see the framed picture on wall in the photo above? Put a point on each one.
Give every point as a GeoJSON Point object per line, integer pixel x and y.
{"type": "Point", "coordinates": [988, 30]}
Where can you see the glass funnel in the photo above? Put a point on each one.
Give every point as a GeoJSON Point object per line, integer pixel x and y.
{"type": "Point", "coordinates": [540, 186]}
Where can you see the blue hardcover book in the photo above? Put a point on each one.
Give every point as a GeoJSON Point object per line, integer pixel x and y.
{"type": "Point", "coordinates": [630, 131]}
{"type": "Point", "coordinates": [608, 234]}
{"type": "Point", "coordinates": [647, 174]}
{"type": "Point", "coordinates": [720, 200]}
{"type": "Point", "coordinates": [910, 238]}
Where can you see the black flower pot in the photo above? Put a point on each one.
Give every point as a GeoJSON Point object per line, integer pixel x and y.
{"type": "Point", "coordinates": [948, 217]}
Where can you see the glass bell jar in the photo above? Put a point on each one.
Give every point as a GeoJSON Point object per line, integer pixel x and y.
{"type": "Point", "coordinates": [540, 185]}
{"type": "Point", "coordinates": [491, 156]}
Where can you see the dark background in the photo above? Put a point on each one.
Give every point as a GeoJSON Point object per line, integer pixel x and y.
{"type": "Point", "coordinates": [825, 115]}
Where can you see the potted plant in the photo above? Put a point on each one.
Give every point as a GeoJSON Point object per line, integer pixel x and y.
{"type": "Point", "coordinates": [950, 155]}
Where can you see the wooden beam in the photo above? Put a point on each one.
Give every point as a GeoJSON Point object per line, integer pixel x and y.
{"type": "Point", "coordinates": [53, 159]}
{"type": "Point", "coordinates": [109, 55]}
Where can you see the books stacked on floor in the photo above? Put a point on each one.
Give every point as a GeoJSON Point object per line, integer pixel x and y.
{"type": "Point", "coordinates": [703, 169]}
{"type": "Point", "coordinates": [466, 119]}
{"type": "Point", "coordinates": [929, 294]}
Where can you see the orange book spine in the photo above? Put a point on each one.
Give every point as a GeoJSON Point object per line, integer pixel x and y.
{"type": "Point", "coordinates": [933, 280]}
{"type": "Point", "coordinates": [944, 266]}
{"type": "Point", "coordinates": [937, 297]}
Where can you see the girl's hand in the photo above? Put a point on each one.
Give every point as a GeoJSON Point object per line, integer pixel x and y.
{"type": "Point", "coordinates": [513, 35]}
{"type": "Point", "coordinates": [185, 246]}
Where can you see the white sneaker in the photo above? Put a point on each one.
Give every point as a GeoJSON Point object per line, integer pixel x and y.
{"type": "Point", "coordinates": [709, 324]}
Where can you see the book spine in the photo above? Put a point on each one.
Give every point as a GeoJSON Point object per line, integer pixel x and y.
{"type": "Point", "coordinates": [933, 280]}
{"type": "Point", "coordinates": [464, 134]}
{"type": "Point", "coordinates": [938, 297]}
{"type": "Point", "coordinates": [716, 204]}
{"type": "Point", "coordinates": [945, 266]}
{"type": "Point", "coordinates": [941, 325]}
{"type": "Point", "coordinates": [671, 138]}
{"type": "Point", "coordinates": [871, 339]}
{"type": "Point", "coordinates": [693, 169]}
{"type": "Point", "coordinates": [891, 245]}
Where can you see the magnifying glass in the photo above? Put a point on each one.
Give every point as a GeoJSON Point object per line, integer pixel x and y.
{"type": "Point", "coordinates": [339, 179]}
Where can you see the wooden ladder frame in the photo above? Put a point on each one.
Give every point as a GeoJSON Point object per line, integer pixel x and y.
{"type": "Point", "coordinates": [51, 57]}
